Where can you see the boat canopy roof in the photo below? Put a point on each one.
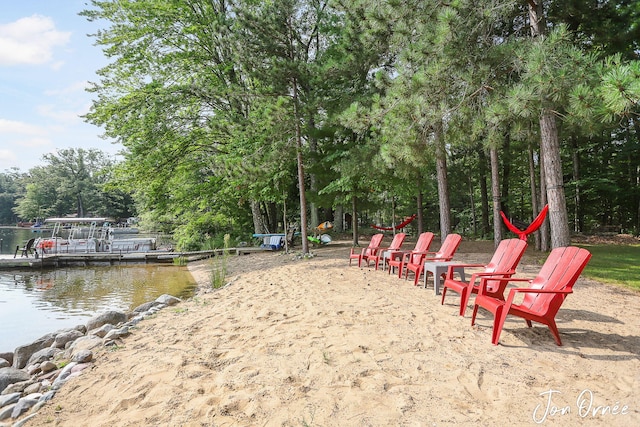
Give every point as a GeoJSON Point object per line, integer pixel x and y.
{"type": "Point", "coordinates": [77, 220]}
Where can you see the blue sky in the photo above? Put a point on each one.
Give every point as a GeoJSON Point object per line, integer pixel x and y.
{"type": "Point", "coordinates": [46, 60]}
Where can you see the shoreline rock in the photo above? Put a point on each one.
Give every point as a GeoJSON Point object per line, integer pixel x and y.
{"type": "Point", "coordinates": [32, 373]}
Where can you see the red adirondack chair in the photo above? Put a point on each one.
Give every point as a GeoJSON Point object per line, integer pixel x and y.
{"type": "Point", "coordinates": [395, 246]}
{"type": "Point", "coordinates": [544, 296]}
{"type": "Point", "coordinates": [503, 264]}
{"type": "Point", "coordinates": [372, 248]}
{"type": "Point", "coordinates": [398, 259]}
{"type": "Point", "coordinates": [445, 253]}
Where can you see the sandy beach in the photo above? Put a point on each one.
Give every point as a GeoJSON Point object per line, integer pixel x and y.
{"type": "Point", "coordinates": [315, 342]}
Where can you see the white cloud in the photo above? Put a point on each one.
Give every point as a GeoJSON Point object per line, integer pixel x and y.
{"type": "Point", "coordinates": [33, 142]}
{"type": "Point", "coordinates": [22, 128]}
{"type": "Point", "coordinates": [54, 112]}
{"type": "Point", "coordinates": [7, 158]}
{"type": "Point", "coordinates": [30, 40]}
{"type": "Point", "coordinates": [73, 88]}
{"type": "Point", "coordinates": [23, 152]}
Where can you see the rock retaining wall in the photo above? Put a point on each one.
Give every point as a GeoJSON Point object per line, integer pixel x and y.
{"type": "Point", "coordinates": [32, 373]}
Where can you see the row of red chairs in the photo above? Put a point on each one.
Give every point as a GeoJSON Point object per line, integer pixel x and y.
{"type": "Point", "coordinates": [541, 299]}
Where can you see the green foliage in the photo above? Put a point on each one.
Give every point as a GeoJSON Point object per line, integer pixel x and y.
{"type": "Point", "coordinates": [211, 98]}
{"type": "Point", "coordinates": [620, 88]}
{"type": "Point", "coordinates": [549, 67]}
{"type": "Point", "coordinates": [608, 26]}
{"type": "Point", "coordinates": [12, 184]}
{"type": "Point", "coordinates": [195, 234]}
{"type": "Point", "coordinates": [73, 181]}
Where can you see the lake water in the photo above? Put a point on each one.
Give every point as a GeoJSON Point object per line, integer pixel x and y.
{"type": "Point", "coordinates": [10, 237]}
{"type": "Point", "coordinates": [35, 302]}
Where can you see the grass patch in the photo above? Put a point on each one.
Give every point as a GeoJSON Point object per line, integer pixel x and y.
{"type": "Point", "coordinates": [618, 264]}
{"type": "Point", "coordinates": [180, 261]}
{"type": "Point", "coordinates": [219, 265]}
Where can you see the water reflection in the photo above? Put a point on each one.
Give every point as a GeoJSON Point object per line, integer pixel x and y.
{"type": "Point", "coordinates": [35, 303]}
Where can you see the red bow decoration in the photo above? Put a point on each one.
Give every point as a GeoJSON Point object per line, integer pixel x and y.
{"type": "Point", "coordinates": [531, 228]}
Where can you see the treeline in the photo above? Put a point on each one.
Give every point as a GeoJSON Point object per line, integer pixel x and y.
{"type": "Point", "coordinates": [237, 113]}
{"type": "Point", "coordinates": [70, 182]}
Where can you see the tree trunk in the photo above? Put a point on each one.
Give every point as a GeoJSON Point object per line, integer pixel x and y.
{"type": "Point", "coordinates": [484, 199]}
{"type": "Point", "coordinates": [80, 206]}
{"type": "Point", "coordinates": [419, 208]}
{"type": "Point", "coordinates": [338, 219]}
{"type": "Point", "coordinates": [558, 218]}
{"type": "Point", "coordinates": [285, 225]}
{"type": "Point", "coordinates": [636, 179]}
{"type": "Point", "coordinates": [577, 214]}
{"type": "Point", "coordinates": [443, 184]}
{"type": "Point", "coordinates": [354, 219]}
{"type": "Point", "coordinates": [301, 186]}
{"type": "Point", "coordinates": [272, 215]}
{"type": "Point", "coordinates": [393, 216]}
{"type": "Point", "coordinates": [472, 203]}
{"type": "Point", "coordinates": [537, 22]}
{"type": "Point", "coordinates": [544, 228]}
{"type": "Point", "coordinates": [313, 179]}
{"type": "Point", "coordinates": [495, 194]}
{"type": "Point", "coordinates": [535, 207]}
{"type": "Point", "coordinates": [257, 216]}
{"type": "Point", "coordinates": [313, 210]}
{"type": "Point", "coordinates": [506, 172]}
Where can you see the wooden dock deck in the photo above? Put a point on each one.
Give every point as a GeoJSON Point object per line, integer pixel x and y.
{"type": "Point", "coordinates": [113, 258]}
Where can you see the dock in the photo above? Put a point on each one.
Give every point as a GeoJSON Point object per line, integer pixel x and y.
{"type": "Point", "coordinates": [114, 258]}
